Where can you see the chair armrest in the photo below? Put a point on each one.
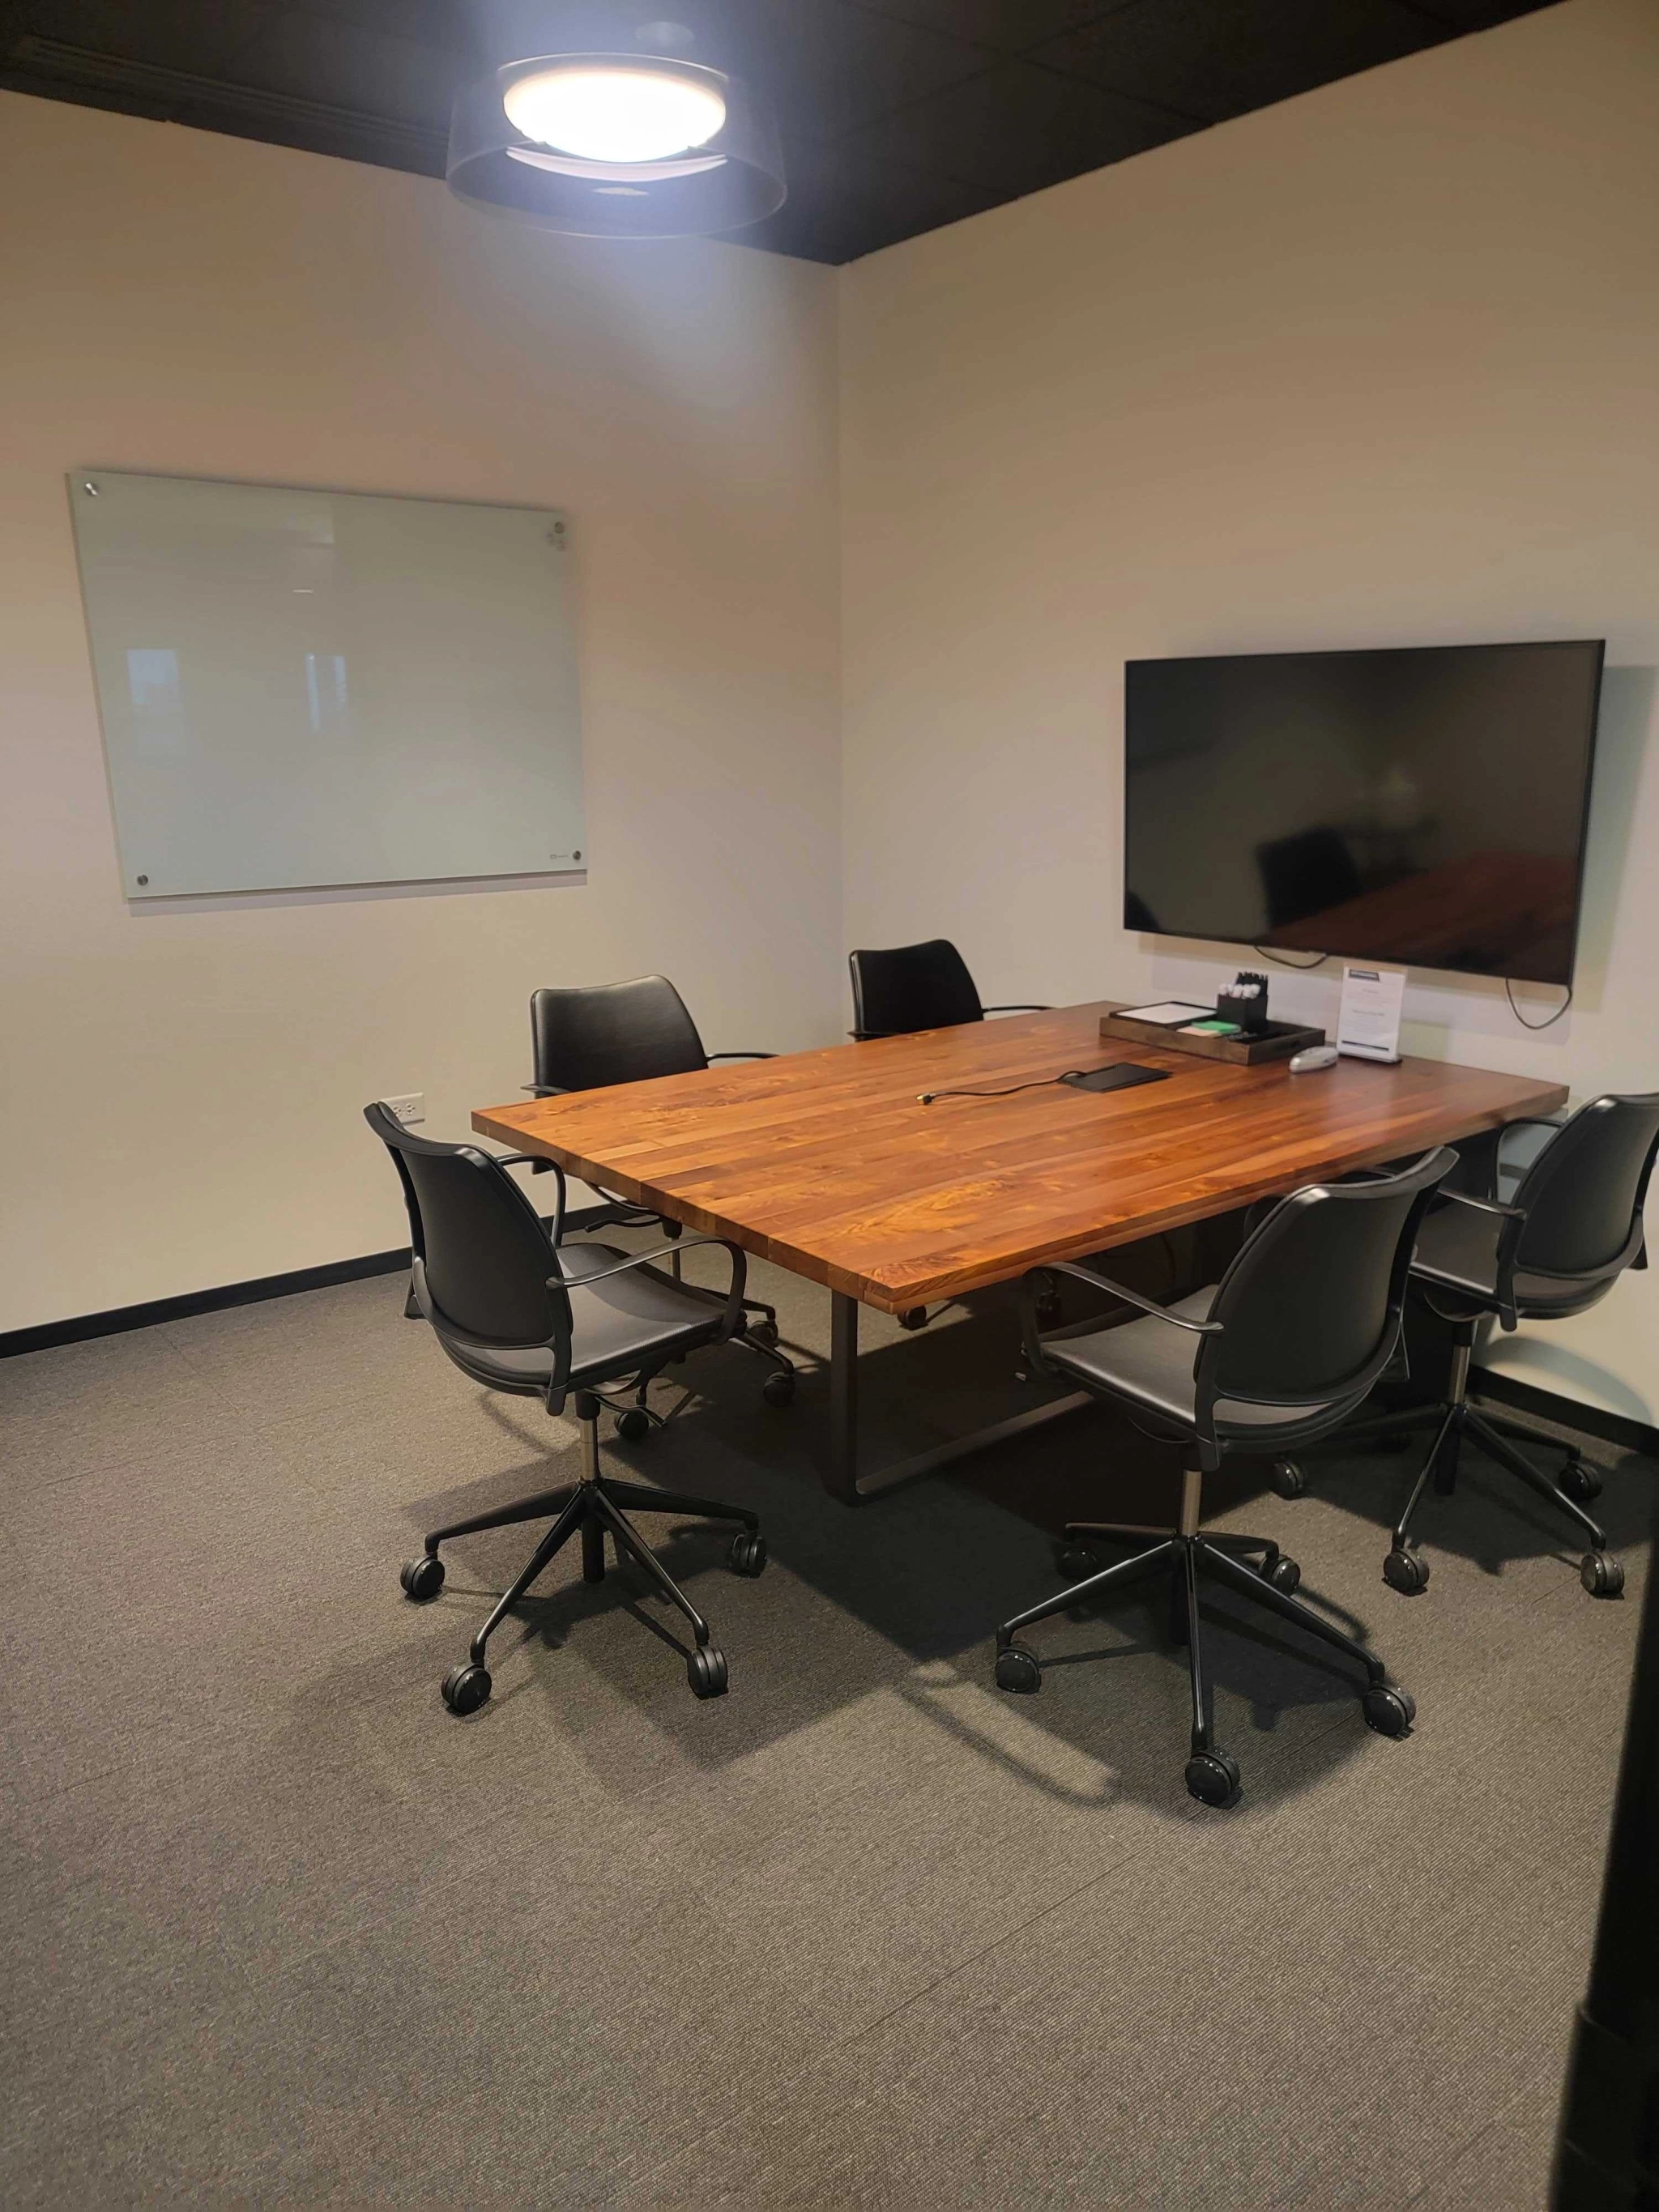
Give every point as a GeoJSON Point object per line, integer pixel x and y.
{"type": "Point", "coordinates": [638, 1217]}
{"type": "Point", "coordinates": [628, 1205]}
{"type": "Point", "coordinates": [1530, 1121]}
{"type": "Point", "coordinates": [1513, 1220]}
{"type": "Point", "coordinates": [1484, 1205]}
{"type": "Point", "coordinates": [1130, 1297]}
{"type": "Point", "coordinates": [742, 1055]}
{"type": "Point", "coordinates": [1016, 1010]}
{"type": "Point", "coordinates": [545, 1089]}
{"type": "Point", "coordinates": [1027, 1291]}
{"type": "Point", "coordinates": [732, 1313]}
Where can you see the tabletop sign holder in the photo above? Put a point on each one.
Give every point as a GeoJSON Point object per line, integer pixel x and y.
{"type": "Point", "coordinates": [1368, 1026]}
{"type": "Point", "coordinates": [1274, 1040]}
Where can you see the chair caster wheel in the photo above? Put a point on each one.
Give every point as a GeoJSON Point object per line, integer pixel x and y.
{"type": "Point", "coordinates": [1212, 1778]}
{"type": "Point", "coordinates": [1580, 1480]}
{"type": "Point", "coordinates": [1018, 1670]}
{"type": "Point", "coordinates": [705, 1670]}
{"type": "Point", "coordinates": [763, 1330]}
{"type": "Point", "coordinates": [1075, 1561]}
{"type": "Point", "coordinates": [1388, 1709]}
{"type": "Point", "coordinates": [1405, 1571]}
{"type": "Point", "coordinates": [1286, 1478]}
{"type": "Point", "coordinates": [466, 1687]}
{"type": "Point", "coordinates": [422, 1579]}
{"type": "Point", "coordinates": [1283, 1575]}
{"type": "Point", "coordinates": [779, 1387]}
{"type": "Point", "coordinates": [748, 1553]}
{"type": "Point", "coordinates": [1601, 1573]}
{"type": "Point", "coordinates": [633, 1425]}
{"type": "Point", "coordinates": [914, 1317]}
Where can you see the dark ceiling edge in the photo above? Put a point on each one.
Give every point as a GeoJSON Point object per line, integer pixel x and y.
{"type": "Point", "coordinates": [57, 71]}
{"type": "Point", "coordinates": [1456, 34]}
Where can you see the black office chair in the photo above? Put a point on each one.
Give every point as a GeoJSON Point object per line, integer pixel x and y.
{"type": "Point", "coordinates": [520, 1313]}
{"type": "Point", "coordinates": [1574, 1225]}
{"type": "Point", "coordinates": [590, 1035]}
{"type": "Point", "coordinates": [916, 986]}
{"type": "Point", "coordinates": [1285, 1346]}
{"type": "Point", "coordinates": [1307, 874]}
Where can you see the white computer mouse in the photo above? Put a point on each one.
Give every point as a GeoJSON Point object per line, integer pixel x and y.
{"type": "Point", "coordinates": [1311, 1057]}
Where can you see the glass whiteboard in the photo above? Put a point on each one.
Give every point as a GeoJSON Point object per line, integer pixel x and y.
{"type": "Point", "coordinates": [311, 688]}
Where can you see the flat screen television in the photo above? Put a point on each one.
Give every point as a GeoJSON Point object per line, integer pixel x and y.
{"type": "Point", "coordinates": [1424, 806]}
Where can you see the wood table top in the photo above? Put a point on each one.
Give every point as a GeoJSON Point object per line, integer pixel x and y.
{"type": "Point", "coordinates": [825, 1163]}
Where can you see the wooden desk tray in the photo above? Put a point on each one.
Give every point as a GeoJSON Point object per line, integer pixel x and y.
{"type": "Point", "coordinates": [1277, 1041]}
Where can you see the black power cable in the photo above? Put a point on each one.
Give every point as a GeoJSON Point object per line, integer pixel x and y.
{"type": "Point", "coordinates": [927, 1098]}
{"type": "Point", "coordinates": [1299, 967]}
{"type": "Point", "coordinates": [1549, 1021]}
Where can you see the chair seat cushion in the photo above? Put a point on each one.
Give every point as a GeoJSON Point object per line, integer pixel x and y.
{"type": "Point", "coordinates": [1457, 1250]}
{"type": "Point", "coordinates": [1149, 1362]}
{"type": "Point", "coordinates": [617, 1326]}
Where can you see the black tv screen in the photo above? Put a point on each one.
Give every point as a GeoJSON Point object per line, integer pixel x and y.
{"type": "Point", "coordinates": [1423, 806]}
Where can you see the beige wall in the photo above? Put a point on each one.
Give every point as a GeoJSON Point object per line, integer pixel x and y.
{"type": "Point", "coordinates": [180, 1094]}
{"type": "Point", "coordinates": [1379, 366]}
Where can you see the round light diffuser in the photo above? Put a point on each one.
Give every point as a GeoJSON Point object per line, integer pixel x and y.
{"type": "Point", "coordinates": [606, 112]}
{"type": "Point", "coordinates": [616, 145]}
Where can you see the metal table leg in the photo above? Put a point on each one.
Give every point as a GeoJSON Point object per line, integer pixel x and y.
{"type": "Point", "coordinates": [842, 1477]}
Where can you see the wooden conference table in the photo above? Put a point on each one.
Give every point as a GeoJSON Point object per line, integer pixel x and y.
{"type": "Point", "coordinates": [826, 1163]}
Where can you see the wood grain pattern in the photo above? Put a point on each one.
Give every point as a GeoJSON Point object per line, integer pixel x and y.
{"type": "Point", "coordinates": [825, 1163]}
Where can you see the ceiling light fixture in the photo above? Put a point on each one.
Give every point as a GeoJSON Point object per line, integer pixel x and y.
{"type": "Point", "coordinates": [616, 145]}
{"type": "Point", "coordinates": [609, 111]}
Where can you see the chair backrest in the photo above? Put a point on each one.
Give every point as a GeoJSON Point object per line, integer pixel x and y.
{"type": "Point", "coordinates": [1584, 1193]}
{"type": "Point", "coordinates": [489, 1265]}
{"type": "Point", "coordinates": [912, 986]}
{"type": "Point", "coordinates": [1311, 1305]}
{"type": "Point", "coordinates": [604, 1033]}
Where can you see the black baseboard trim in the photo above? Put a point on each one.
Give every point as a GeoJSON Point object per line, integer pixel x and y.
{"type": "Point", "coordinates": [1571, 1412]}
{"type": "Point", "coordinates": [81, 1327]}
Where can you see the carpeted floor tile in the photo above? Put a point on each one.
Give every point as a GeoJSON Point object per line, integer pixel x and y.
{"type": "Point", "coordinates": [275, 1929]}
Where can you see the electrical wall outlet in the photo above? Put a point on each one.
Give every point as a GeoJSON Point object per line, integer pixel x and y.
{"type": "Point", "coordinates": [408, 1110]}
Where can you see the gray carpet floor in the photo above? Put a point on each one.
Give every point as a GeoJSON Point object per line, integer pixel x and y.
{"type": "Point", "coordinates": [275, 1928]}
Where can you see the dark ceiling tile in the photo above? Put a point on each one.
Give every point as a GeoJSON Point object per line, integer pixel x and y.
{"type": "Point", "coordinates": [1475, 15]}
{"type": "Point", "coordinates": [1011, 25]}
{"type": "Point", "coordinates": [513, 30]}
{"type": "Point", "coordinates": [1018, 128]}
{"type": "Point", "coordinates": [188, 34]}
{"type": "Point", "coordinates": [312, 58]}
{"type": "Point", "coordinates": [842, 204]}
{"type": "Point", "coordinates": [438, 23]}
{"type": "Point", "coordinates": [1217, 59]}
{"type": "Point", "coordinates": [832, 67]}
